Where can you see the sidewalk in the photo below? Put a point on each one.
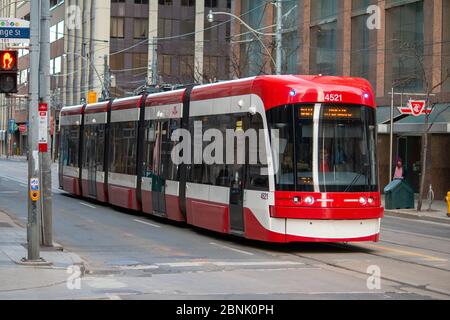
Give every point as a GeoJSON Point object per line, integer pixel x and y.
{"type": "Point", "coordinates": [26, 281]}
{"type": "Point", "coordinates": [438, 211]}
{"type": "Point", "coordinates": [14, 158]}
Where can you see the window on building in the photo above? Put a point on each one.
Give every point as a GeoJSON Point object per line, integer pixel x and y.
{"type": "Point", "coordinates": [211, 3]}
{"type": "Point", "coordinates": [323, 49]}
{"type": "Point", "coordinates": [404, 46]}
{"type": "Point", "coordinates": [210, 68]}
{"type": "Point", "coordinates": [187, 27]}
{"type": "Point", "coordinates": [211, 31]}
{"type": "Point", "coordinates": [188, 3]}
{"type": "Point", "coordinates": [140, 28]}
{"type": "Point", "coordinates": [187, 66]}
{"type": "Point", "coordinates": [117, 61]}
{"type": "Point", "coordinates": [360, 5]}
{"type": "Point", "coordinates": [141, 1]}
{"type": "Point", "coordinates": [140, 62]}
{"type": "Point", "coordinates": [165, 27]}
{"type": "Point", "coordinates": [165, 2]}
{"type": "Point", "coordinates": [323, 10]}
{"type": "Point", "coordinates": [446, 45]}
{"type": "Point", "coordinates": [53, 31]}
{"type": "Point", "coordinates": [57, 65]}
{"type": "Point", "coordinates": [117, 27]}
{"type": "Point", "coordinates": [359, 62]}
{"type": "Point", "coordinates": [60, 30]}
{"type": "Point", "coordinates": [118, 1]}
{"type": "Point", "coordinates": [164, 65]}
{"type": "Point", "coordinates": [229, 4]}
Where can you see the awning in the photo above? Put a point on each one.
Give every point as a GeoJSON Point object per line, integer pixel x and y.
{"type": "Point", "coordinates": [440, 117]}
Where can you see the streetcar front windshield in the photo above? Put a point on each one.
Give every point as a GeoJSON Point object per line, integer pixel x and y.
{"type": "Point", "coordinates": [324, 148]}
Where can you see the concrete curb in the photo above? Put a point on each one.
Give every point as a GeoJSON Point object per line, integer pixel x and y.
{"type": "Point", "coordinates": [416, 217]}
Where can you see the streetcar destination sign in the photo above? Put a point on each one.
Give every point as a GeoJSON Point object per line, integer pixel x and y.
{"type": "Point", "coordinates": [14, 30]}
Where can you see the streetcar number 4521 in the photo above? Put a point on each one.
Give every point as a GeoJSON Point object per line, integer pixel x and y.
{"type": "Point", "coordinates": [333, 97]}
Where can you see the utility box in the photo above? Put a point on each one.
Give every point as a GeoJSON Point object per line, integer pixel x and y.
{"type": "Point", "coordinates": [398, 195]}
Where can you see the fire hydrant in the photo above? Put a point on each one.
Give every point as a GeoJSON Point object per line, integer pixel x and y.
{"type": "Point", "coordinates": [447, 198]}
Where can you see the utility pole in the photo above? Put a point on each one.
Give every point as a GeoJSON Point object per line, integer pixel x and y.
{"type": "Point", "coordinates": [106, 78]}
{"type": "Point", "coordinates": [33, 158]}
{"type": "Point", "coordinates": [44, 96]}
{"type": "Point", "coordinates": [154, 67]}
{"type": "Point", "coordinates": [278, 36]}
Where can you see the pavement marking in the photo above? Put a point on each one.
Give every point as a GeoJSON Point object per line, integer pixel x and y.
{"type": "Point", "coordinates": [227, 263]}
{"type": "Point", "coordinates": [417, 234]}
{"type": "Point", "coordinates": [232, 249]}
{"type": "Point", "coordinates": [442, 224]}
{"type": "Point", "coordinates": [88, 205]}
{"type": "Point", "coordinates": [9, 192]}
{"type": "Point", "coordinates": [258, 263]}
{"type": "Point", "coordinates": [405, 252]}
{"type": "Point", "coordinates": [147, 223]}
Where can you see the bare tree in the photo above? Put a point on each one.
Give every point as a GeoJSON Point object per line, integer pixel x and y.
{"type": "Point", "coordinates": [429, 89]}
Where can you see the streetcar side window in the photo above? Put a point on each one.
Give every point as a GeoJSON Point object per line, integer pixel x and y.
{"type": "Point", "coordinates": [70, 145]}
{"type": "Point", "coordinates": [280, 123]}
{"type": "Point", "coordinates": [257, 178]}
{"type": "Point", "coordinates": [123, 147]}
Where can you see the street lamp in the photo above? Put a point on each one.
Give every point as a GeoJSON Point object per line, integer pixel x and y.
{"type": "Point", "coordinates": [210, 18]}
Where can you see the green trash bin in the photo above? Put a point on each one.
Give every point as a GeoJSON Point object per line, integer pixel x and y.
{"type": "Point", "coordinates": [398, 195]}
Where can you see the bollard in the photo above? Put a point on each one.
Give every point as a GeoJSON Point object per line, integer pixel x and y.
{"type": "Point", "coordinates": [447, 198]}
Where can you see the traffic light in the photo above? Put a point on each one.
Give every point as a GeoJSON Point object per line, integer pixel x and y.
{"type": "Point", "coordinates": [8, 71]}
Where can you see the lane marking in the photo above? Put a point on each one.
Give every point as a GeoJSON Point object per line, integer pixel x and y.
{"type": "Point", "coordinates": [417, 234]}
{"type": "Point", "coordinates": [405, 252]}
{"type": "Point", "coordinates": [9, 192]}
{"type": "Point", "coordinates": [88, 205]}
{"type": "Point", "coordinates": [232, 249]}
{"type": "Point", "coordinates": [442, 224]}
{"type": "Point", "coordinates": [147, 223]}
{"type": "Point", "coordinates": [227, 263]}
{"type": "Point", "coordinates": [258, 263]}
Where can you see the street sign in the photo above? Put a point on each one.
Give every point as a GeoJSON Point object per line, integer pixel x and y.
{"type": "Point", "coordinates": [14, 30]}
{"type": "Point", "coordinates": [22, 128]}
{"type": "Point", "coordinates": [415, 108]}
{"type": "Point", "coordinates": [11, 125]}
{"type": "Point", "coordinates": [43, 128]}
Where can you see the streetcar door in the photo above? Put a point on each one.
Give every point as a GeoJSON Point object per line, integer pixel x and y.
{"type": "Point", "coordinates": [91, 152]}
{"type": "Point", "coordinates": [237, 199]}
{"type": "Point", "coordinates": [159, 167]}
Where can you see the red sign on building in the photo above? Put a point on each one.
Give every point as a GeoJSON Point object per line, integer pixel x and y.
{"type": "Point", "coordinates": [415, 108]}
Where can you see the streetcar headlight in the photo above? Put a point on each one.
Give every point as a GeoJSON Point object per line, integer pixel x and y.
{"type": "Point", "coordinates": [309, 200]}
{"type": "Point", "coordinates": [362, 200]}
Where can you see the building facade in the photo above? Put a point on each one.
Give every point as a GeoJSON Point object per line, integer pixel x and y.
{"type": "Point", "coordinates": [399, 45]}
{"type": "Point", "coordinates": [114, 45]}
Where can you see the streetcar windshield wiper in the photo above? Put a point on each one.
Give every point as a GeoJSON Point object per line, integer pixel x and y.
{"type": "Point", "coordinates": [356, 178]}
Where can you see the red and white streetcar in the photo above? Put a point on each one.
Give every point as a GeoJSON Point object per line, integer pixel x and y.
{"type": "Point", "coordinates": [318, 185]}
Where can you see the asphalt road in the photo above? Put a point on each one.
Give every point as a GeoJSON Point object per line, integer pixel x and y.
{"type": "Point", "coordinates": [142, 257]}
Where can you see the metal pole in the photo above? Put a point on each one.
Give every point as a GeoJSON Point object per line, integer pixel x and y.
{"type": "Point", "coordinates": [106, 78]}
{"type": "Point", "coordinates": [278, 37]}
{"type": "Point", "coordinates": [154, 62]}
{"type": "Point", "coordinates": [33, 159]}
{"type": "Point", "coordinates": [44, 96]}
{"type": "Point", "coordinates": [391, 134]}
